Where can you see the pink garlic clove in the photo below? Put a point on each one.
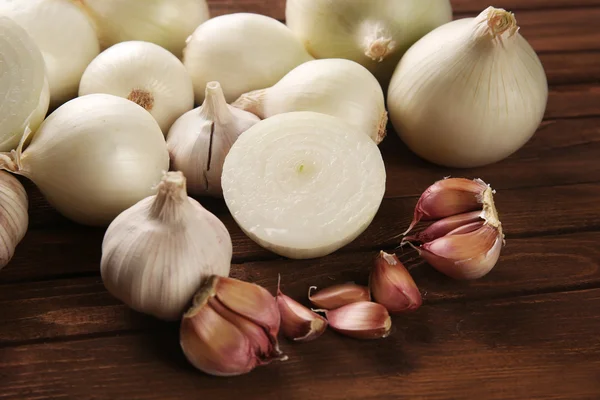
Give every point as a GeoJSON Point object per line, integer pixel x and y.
{"type": "Point", "coordinates": [362, 320]}
{"type": "Point", "coordinates": [339, 295]}
{"type": "Point", "coordinates": [392, 286]}
{"type": "Point", "coordinates": [449, 197]}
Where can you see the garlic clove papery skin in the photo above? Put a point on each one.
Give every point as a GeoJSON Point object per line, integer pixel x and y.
{"type": "Point", "coordinates": [449, 197]}
{"type": "Point", "coordinates": [65, 36]}
{"type": "Point", "coordinates": [93, 157]}
{"type": "Point", "coordinates": [166, 23]}
{"type": "Point", "coordinates": [374, 33]}
{"type": "Point", "coordinates": [243, 52]}
{"type": "Point", "coordinates": [303, 184]}
{"type": "Point", "coordinates": [156, 254]}
{"type": "Point", "coordinates": [443, 227]}
{"type": "Point", "coordinates": [201, 138]}
{"type": "Point", "coordinates": [299, 323]}
{"type": "Point", "coordinates": [14, 218]}
{"type": "Point", "coordinates": [144, 73]}
{"type": "Point", "coordinates": [465, 256]}
{"type": "Point", "coordinates": [470, 93]}
{"type": "Point", "coordinates": [392, 285]}
{"type": "Point", "coordinates": [23, 84]}
{"type": "Point", "coordinates": [231, 328]}
{"type": "Point", "coordinates": [362, 320]}
{"type": "Point", "coordinates": [337, 87]}
{"type": "Point", "coordinates": [338, 295]}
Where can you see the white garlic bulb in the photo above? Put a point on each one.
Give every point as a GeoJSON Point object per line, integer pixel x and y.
{"type": "Point", "coordinates": [13, 216]}
{"type": "Point", "coordinates": [201, 138]}
{"type": "Point", "coordinates": [64, 35]}
{"type": "Point", "coordinates": [156, 254]}
{"type": "Point", "coordinates": [144, 73]}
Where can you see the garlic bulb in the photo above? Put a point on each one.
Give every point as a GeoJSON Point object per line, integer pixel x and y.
{"type": "Point", "coordinates": [156, 254]}
{"type": "Point", "coordinates": [64, 35]}
{"type": "Point", "coordinates": [337, 87]}
{"type": "Point", "coordinates": [200, 139]}
{"type": "Point", "coordinates": [467, 239]}
{"type": "Point", "coordinates": [243, 52]}
{"type": "Point", "coordinates": [13, 216]}
{"type": "Point", "coordinates": [93, 157]}
{"type": "Point", "coordinates": [231, 328]}
{"type": "Point", "coordinates": [23, 85]}
{"type": "Point", "coordinates": [303, 184]}
{"type": "Point", "coordinates": [164, 22]}
{"type": "Point", "coordinates": [470, 93]}
{"type": "Point", "coordinates": [144, 73]}
{"type": "Point", "coordinates": [374, 33]}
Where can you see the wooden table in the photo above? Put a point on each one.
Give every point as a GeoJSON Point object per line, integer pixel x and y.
{"type": "Point", "coordinates": [530, 329]}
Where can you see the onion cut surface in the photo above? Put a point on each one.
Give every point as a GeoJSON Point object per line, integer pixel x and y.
{"type": "Point", "coordinates": [303, 184]}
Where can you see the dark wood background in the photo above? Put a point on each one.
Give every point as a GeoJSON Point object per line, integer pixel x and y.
{"type": "Point", "coordinates": [530, 329]}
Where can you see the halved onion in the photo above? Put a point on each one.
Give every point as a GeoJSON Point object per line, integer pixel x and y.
{"type": "Point", "coordinates": [303, 184]}
{"type": "Point", "coordinates": [24, 92]}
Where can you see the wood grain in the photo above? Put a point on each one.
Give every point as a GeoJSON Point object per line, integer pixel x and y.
{"type": "Point", "coordinates": [524, 213]}
{"type": "Point", "coordinates": [528, 330]}
{"type": "Point", "coordinates": [536, 347]}
{"type": "Point", "coordinates": [72, 307]}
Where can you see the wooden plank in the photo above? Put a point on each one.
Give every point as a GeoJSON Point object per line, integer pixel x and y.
{"type": "Point", "coordinates": [561, 152]}
{"type": "Point", "coordinates": [538, 347]}
{"type": "Point", "coordinates": [276, 8]}
{"type": "Point", "coordinates": [524, 212]}
{"type": "Point", "coordinates": [72, 307]}
{"type": "Point", "coordinates": [565, 68]}
{"type": "Point", "coordinates": [475, 5]}
{"type": "Point", "coordinates": [547, 29]}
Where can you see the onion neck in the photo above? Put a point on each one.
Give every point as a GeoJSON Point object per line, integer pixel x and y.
{"type": "Point", "coordinates": [12, 161]}
{"type": "Point", "coordinates": [214, 107]}
{"type": "Point", "coordinates": [376, 41]}
{"type": "Point", "coordinates": [496, 25]}
{"type": "Point", "coordinates": [169, 202]}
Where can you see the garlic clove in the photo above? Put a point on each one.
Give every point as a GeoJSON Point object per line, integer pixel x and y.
{"type": "Point", "coordinates": [14, 218]}
{"type": "Point", "coordinates": [220, 342]}
{"type": "Point", "coordinates": [362, 320]}
{"type": "Point", "coordinates": [248, 300]}
{"type": "Point", "coordinates": [298, 323]}
{"type": "Point", "coordinates": [449, 197]}
{"type": "Point", "coordinates": [339, 295]}
{"type": "Point", "coordinates": [465, 256]}
{"type": "Point", "coordinates": [443, 227]}
{"type": "Point", "coordinates": [392, 286]}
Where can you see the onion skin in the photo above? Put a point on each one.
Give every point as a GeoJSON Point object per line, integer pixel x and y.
{"type": "Point", "coordinates": [470, 93]}
{"type": "Point", "coordinates": [374, 33]}
{"type": "Point", "coordinates": [94, 157]}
